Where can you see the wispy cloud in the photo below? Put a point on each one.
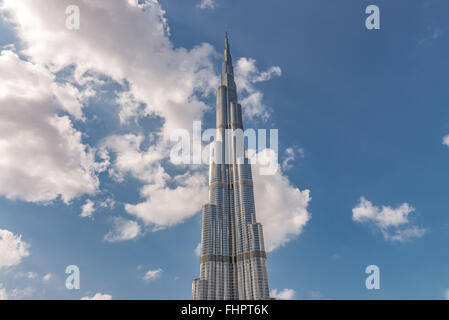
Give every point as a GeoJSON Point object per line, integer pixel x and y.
{"type": "Point", "coordinates": [246, 76]}
{"type": "Point", "coordinates": [152, 275]}
{"type": "Point", "coordinates": [47, 277]}
{"type": "Point", "coordinates": [434, 33]}
{"type": "Point", "coordinates": [16, 293]}
{"type": "Point", "coordinates": [207, 4]}
{"type": "Point", "coordinates": [291, 154]}
{"type": "Point", "coordinates": [446, 140]}
{"type": "Point", "coordinates": [12, 248]}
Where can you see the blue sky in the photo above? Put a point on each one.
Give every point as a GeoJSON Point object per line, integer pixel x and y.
{"type": "Point", "coordinates": [364, 111]}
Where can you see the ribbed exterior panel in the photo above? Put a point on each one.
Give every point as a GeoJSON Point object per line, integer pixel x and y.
{"type": "Point", "coordinates": [233, 259]}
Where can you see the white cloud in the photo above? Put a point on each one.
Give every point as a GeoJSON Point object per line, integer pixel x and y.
{"type": "Point", "coordinates": [152, 275]}
{"type": "Point", "coordinates": [246, 75]}
{"type": "Point", "coordinates": [247, 72]}
{"type": "Point", "coordinates": [393, 223]}
{"type": "Point", "coordinates": [166, 206]}
{"type": "Point", "coordinates": [253, 106]}
{"type": "Point", "coordinates": [62, 165]}
{"type": "Point", "coordinates": [130, 108]}
{"type": "Point", "coordinates": [43, 156]}
{"type": "Point", "coordinates": [160, 190]}
{"type": "Point", "coordinates": [130, 158]}
{"type": "Point", "coordinates": [204, 4]}
{"type": "Point", "coordinates": [12, 249]}
{"type": "Point", "coordinates": [291, 155]}
{"type": "Point", "coordinates": [47, 277]}
{"type": "Point", "coordinates": [168, 80]}
{"type": "Point", "coordinates": [384, 217]}
{"type": "Point", "coordinates": [446, 140]}
{"type": "Point", "coordinates": [98, 296]}
{"type": "Point", "coordinates": [87, 209]}
{"type": "Point", "coordinates": [123, 230]}
{"type": "Point", "coordinates": [280, 207]}
{"type": "Point", "coordinates": [285, 294]}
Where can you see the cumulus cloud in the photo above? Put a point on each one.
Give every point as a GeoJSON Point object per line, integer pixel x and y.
{"type": "Point", "coordinates": [43, 156]}
{"type": "Point", "coordinates": [280, 206]}
{"type": "Point", "coordinates": [394, 223]}
{"type": "Point", "coordinates": [130, 158]}
{"type": "Point", "coordinates": [123, 229]}
{"type": "Point", "coordinates": [167, 80]}
{"type": "Point", "coordinates": [87, 209]}
{"type": "Point", "coordinates": [158, 209]}
{"type": "Point", "coordinates": [246, 75]}
{"type": "Point", "coordinates": [152, 275]}
{"type": "Point", "coordinates": [166, 206]}
{"type": "Point", "coordinates": [285, 294]}
{"type": "Point", "coordinates": [98, 296]}
{"type": "Point", "coordinates": [12, 249]}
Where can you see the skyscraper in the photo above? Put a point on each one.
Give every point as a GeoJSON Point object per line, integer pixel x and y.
{"type": "Point", "coordinates": [233, 259]}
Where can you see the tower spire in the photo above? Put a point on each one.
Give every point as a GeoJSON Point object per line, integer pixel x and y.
{"type": "Point", "coordinates": [227, 53]}
{"type": "Point", "coordinates": [227, 70]}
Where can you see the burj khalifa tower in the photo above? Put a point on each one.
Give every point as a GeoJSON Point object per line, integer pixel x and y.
{"type": "Point", "coordinates": [233, 259]}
